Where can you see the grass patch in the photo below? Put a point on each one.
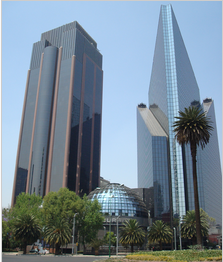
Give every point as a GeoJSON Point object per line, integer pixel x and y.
{"type": "Point", "coordinates": [147, 257]}
{"type": "Point", "coordinates": [171, 256]}
{"type": "Point", "coordinates": [183, 255]}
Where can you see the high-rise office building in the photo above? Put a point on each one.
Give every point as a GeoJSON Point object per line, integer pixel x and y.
{"type": "Point", "coordinates": [60, 135]}
{"type": "Point", "coordinates": [163, 164]}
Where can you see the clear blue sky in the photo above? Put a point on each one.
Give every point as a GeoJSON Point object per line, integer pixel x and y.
{"type": "Point", "coordinates": [125, 33]}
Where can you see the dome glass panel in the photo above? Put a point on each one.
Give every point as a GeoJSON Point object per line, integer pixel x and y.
{"type": "Point", "coordinates": [117, 199]}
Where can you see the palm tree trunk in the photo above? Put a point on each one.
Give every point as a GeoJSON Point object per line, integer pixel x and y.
{"type": "Point", "coordinates": [24, 248]}
{"type": "Point", "coordinates": [161, 247]}
{"type": "Point", "coordinates": [57, 248]}
{"type": "Point", "coordinates": [84, 248]}
{"type": "Point", "coordinates": [131, 248]}
{"type": "Point", "coordinates": [196, 199]}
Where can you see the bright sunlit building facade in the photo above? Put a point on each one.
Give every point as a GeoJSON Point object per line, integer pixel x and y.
{"type": "Point", "coordinates": [163, 164]}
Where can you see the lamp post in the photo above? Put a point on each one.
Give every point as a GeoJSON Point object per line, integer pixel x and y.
{"type": "Point", "coordinates": [117, 237]}
{"type": "Point", "coordinates": [175, 240]}
{"type": "Point", "coordinates": [110, 226]}
{"type": "Point", "coordinates": [104, 231]}
{"type": "Point", "coordinates": [149, 217]}
{"type": "Point", "coordinates": [73, 234]}
{"type": "Point", "coordinates": [180, 234]}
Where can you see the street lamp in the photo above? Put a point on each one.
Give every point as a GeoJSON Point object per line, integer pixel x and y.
{"type": "Point", "coordinates": [180, 234]}
{"type": "Point", "coordinates": [110, 225]}
{"type": "Point", "coordinates": [117, 237]}
{"type": "Point", "coordinates": [104, 231]}
{"type": "Point", "coordinates": [73, 234]}
{"type": "Point", "coordinates": [149, 217]}
{"type": "Point", "coordinates": [175, 240]}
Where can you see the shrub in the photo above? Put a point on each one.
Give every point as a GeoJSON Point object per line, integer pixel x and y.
{"type": "Point", "coordinates": [179, 255]}
{"type": "Point", "coordinates": [214, 258]}
{"type": "Point", "coordinates": [148, 257]}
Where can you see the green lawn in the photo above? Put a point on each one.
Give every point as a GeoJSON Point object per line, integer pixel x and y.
{"type": "Point", "coordinates": [172, 256]}
{"type": "Point", "coordinates": [189, 255]}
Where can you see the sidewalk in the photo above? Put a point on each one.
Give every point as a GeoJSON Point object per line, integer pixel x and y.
{"type": "Point", "coordinates": [52, 255]}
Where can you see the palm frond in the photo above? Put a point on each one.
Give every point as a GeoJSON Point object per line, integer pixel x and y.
{"type": "Point", "coordinates": [160, 232]}
{"type": "Point", "coordinates": [132, 233]}
{"type": "Point", "coordinates": [27, 228]}
{"type": "Point", "coordinates": [192, 125]}
{"type": "Point", "coordinates": [188, 227]}
{"type": "Point", "coordinates": [58, 232]}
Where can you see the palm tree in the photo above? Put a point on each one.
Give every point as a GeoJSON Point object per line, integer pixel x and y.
{"type": "Point", "coordinates": [188, 227]}
{"type": "Point", "coordinates": [58, 232]}
{"type": "Point", "coordinates": [26, 229]}
{"type": "Point", "coordinates": [193, 127]}
{"type": "Point", "coordinates": [96, 243]}
{"type": "Point", "coordinates": [160, 232]}
{"type": "Point", "coordinates": [132, 234]}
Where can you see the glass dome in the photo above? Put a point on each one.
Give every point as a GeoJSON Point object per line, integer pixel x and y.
{"type": "Point", "coordinates": [119, 200]}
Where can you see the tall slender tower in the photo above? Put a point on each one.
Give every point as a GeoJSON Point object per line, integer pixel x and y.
{"type": "Point", "coordinates": [60, 134]}
{"type": "Point", "coordinates": [173, 87]}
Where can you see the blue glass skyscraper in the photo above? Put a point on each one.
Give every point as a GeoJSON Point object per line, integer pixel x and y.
{"type": "Point", "coordinates": [173, 87]}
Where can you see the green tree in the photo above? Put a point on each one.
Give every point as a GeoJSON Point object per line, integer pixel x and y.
{"type": "Point", "coordinates": [6, 230]}
{"type": "Point", "coordinates": [89, 220]}
{"type": "Point", "coordinates": [188, 227]}
{"type": "Point", "coordinates": [64, 204]}
{"type": "Point", "coordinates": [61, 204]}
{"type": "Point", "coordinates": [5, 213]}
{"type": "Point", "coordinates": [113, 238]}
{"type": "Point", "coordinates": [193, 127]}
{"type": "Point", "coordinates": [26, 228]}
{"type": "Point", "coordinates": [160, 232]}
{"type": "Point", "coordinates": [5, 234]}
{"type": "Point", "coordinates": [58, 210]}
{"type": "Point", "coordinates": [58, 232]}
{"type": "Point", "coordinates": [26, 204]}
{"type": "Point", "coordinates": [132, 234]}
{"type": "Point", "coordinates": [8, 240]}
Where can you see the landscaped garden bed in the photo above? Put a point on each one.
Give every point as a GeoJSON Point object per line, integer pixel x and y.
{"type": "Point", "coordinates": [171, 256]}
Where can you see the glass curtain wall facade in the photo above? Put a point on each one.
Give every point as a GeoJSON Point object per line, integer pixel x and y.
{"type": "Point", "coordinates": [60, 134]}
{"type": "Point", "coordinates": [177, 76]}
{"type": "Point", "coordinates": [153, 170]}
{"type": "Point", "coordinates": [173, 87]}
{"type": "Point", "coordinates": [211, 168]}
